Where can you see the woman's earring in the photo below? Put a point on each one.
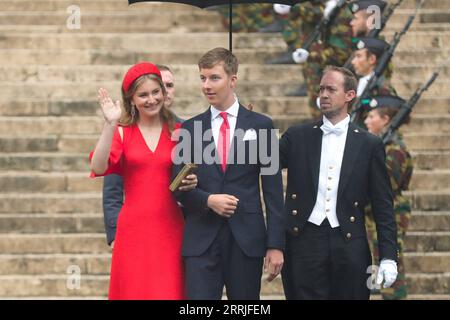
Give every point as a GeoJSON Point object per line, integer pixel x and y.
{"type": "Point", "coordinates": [133, 111]}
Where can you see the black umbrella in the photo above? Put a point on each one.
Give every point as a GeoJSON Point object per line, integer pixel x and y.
{"type": "Point", "coordinates": [209, 3]}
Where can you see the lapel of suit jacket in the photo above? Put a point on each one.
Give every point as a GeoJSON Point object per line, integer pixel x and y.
{"type": "Point", "coordinates": [243, 124]}
{"type": "Point", "coordinates": [314, 142]}
{"type": "Point", "coordinates": [206, 125]}
{"type": "Point", "coordinates": [352, 146]}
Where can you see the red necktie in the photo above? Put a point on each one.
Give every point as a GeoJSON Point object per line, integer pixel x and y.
{"type": "Point", "coordinates": [224, 140]}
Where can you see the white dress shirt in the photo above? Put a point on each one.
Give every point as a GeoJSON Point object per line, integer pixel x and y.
{"type": "Point", "coordinates": [333, 145]}
{"type": "Point", "coordinates": [362, 83]}
{"type": "Point", "coordinates": [216, 120]}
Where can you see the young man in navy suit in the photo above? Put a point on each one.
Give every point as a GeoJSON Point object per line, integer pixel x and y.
{"type": "Point", "coordinates": [226, 238]}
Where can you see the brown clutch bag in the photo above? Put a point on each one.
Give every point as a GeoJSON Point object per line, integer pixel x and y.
{"type": "Point", "coordinates": [187, 170]}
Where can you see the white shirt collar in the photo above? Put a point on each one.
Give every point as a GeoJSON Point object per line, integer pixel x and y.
{"type": "Point", "coordinates": [233, 110]}
{"type": "Point", "coordinates": [341, 124]}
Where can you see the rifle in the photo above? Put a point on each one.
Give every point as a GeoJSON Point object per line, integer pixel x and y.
{"type": "Point", "coordinates": [382, 64]}
{"type": "Point", "coordinates": [406, 108]}
{"type": "Point", "coordinates": [376, 31]}
{"type": "Point", "coordinates": [323, 25]}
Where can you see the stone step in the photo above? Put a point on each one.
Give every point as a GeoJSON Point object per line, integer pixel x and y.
{"type": "Point", "coordinates": [28, 144]}
{"type": "Point", "coordinates": [51, 202]}
{"type": "Point", "coordinates": [99, 264]}
{"type": "Point", "coordinates": [430, 180]}
{"type": "Point", "coordinates": [426, 141]}
{"type": "Point", "coordinates": [97, 5]}
{"type": "Point", "coordinates": [53, 285]}
{"type": "Point", "coordinates": [23, 264]}
{"type": "Point", "coordinates": [429, 160]}
{"type": "Point", "coordinates": [438, 4]}
{"type": "Point", "coordinates": [430, 200]}
{"type": "Point", "coordinates": [430, 221]}
{"type": "Point", "coordinates": [180, 41]}
{"type": "Point", "coordinates": [182, 73]}
{"type": "Point", "coordinates": [190, 106]}
{"type": "Point", "coordinates": [189, 55]}
{"type": "Point", "coordinates": [33, 181]}
{"type": "Point", "coordinates": [51, 223]}
{"type": "Point", "coordinates": [427, 241]}
{"type": "Point", "coordinates": [111, 22]}
{"type": "Point", "coordinates": [44, 161]}
{"type": "Point", "coordinates": [53, 243]}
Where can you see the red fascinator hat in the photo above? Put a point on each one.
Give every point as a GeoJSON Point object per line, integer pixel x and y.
{"type": "Point", "coordinates": [136, 71]}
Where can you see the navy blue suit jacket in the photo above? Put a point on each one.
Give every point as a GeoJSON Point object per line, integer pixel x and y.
{"type": "Point", "coordinates": [240, 180]}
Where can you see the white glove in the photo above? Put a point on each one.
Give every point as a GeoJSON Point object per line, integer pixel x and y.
{"type": "Point", "coordinates": [387, 272]}
{"type": "Point", "coordinates": [331, 4]}
{"type": "Point", "coordinates": [300, 55]}
{"type": "Point", "coordinates": [281, 8]}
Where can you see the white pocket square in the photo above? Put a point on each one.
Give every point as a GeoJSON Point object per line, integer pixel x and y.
{"type": "Point", "coordinates": [250, 134]}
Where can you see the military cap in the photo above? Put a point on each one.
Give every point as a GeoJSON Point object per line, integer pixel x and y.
{"type": "Point", "coordinates": [374, 45]}
{"type": "Point", "coordinates": [358, 5]}
{"type": "Point", "coordinates": [393, 102]}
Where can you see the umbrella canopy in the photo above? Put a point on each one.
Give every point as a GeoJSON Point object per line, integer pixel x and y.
{"type": "Point", "coordinates": [209, 3]}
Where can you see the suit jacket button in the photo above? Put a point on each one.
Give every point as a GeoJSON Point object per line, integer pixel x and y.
{"type": "Point", "coordinates": [355, 204]}
{"type": "Point", "coordinates": [294, 212]}
{"type": "Point", "coordinates": [352, 219]}
{"type": "Point", "coordinates": [349, 235]}
{"type": "Point", "coordinates": [295, 229]}
{"type": "Point", "coordinates": [294, 196]}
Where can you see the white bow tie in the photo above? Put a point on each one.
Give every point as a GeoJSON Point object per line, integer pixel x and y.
{"type": "Point", "coordinates": [327, 129]}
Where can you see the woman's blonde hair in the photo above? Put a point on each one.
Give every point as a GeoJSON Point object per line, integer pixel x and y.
{"type": "Point", "coordinates": [130, 118]}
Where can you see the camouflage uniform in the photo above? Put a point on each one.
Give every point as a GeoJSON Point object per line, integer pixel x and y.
{"type": "Point", "coordinates": [382, 88]}
{"type": "Point", "coordinates": [333, 49]}
{"type": "Point", "coordinates": [400, 167]}
{"type": "Point", "coordinates": [301, 22]}
{"type": "Point", "coordinates": [248, 17]}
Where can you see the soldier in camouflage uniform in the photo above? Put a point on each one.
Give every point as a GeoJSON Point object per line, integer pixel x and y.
{"type": "Point", "coordinates": [362, 20]}
{"type": "Point", "coordinates": [400, 167]}
{"type": "Point", "coordinates": [301, 21]}
{"type": "Point", "coordinates": [248, 17]}
{"type": "Point", "coordinates": [334, 48]}
{"type": "Point", "coordinates": [365, 57]}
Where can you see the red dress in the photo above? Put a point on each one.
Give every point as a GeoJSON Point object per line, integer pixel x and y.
{"type": "Point", "coordinates": [146, 260]}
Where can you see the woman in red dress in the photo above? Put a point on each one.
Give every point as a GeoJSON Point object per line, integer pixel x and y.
{"type": "Point", "coordinates": [136, 143]}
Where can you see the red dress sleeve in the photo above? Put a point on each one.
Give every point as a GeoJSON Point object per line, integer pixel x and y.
{"type": "Point", "coordinates": [115, 157]}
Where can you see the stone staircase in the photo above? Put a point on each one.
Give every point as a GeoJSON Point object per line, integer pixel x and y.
{"type": "Point", "coordinates": [51, 226]}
